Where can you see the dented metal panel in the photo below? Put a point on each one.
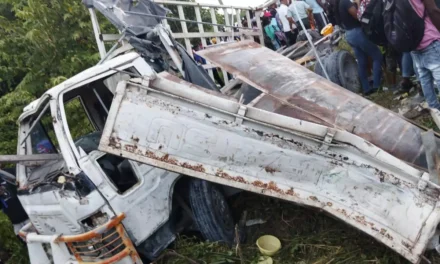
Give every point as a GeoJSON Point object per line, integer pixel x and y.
{"type": "Point", "coordinates": [295, 91]}
{"type": "Point", "coordinates": [191, 135]}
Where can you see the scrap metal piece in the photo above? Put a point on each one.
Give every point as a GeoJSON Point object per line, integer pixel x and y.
{"type": "Point", "coordinates": [432, 156]}
{"type": "Point", "coordinates": [294, 91]}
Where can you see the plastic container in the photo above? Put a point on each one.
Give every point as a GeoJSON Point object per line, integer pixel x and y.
{"type": "Point", "coordinates": [327, 30]}
{"type": "Point", "coordinates": [268, 245]}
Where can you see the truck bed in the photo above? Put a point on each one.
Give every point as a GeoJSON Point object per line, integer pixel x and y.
{"type": "Point", "coordinates": [174, 125]}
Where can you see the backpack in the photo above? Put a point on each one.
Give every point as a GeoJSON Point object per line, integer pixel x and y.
{"type": "Point", "coordinates": [404, 28]}
{"type": "Point", "coordinates": [372, 21]}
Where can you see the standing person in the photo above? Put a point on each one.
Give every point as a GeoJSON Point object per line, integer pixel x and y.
{"type": "Point", "coordinates": [427, 55]}
{"type": "Point", "coordinates": [303, 11]}
{"type": "Point", "coordinates": [270, 30]}
{"type": "Point", "coordinates": [407, 69]}
{"type": "Point", "coordinates": [346, 15]}
{"type": "Point", "coordinates": [318, 13]}
{"type": "Point", "coordinates": [283, 11]}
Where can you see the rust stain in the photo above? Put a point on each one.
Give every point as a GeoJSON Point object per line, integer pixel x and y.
{"type": "Point", "coordinates": [165, 158]}
{"type": "Point", "coordinates": [273, 187]}
{"type": "Point", "coordinates": [224, 175]}
{"type": "Point", "coordinates": [198, 168]}
{"type": "Point", "coordinates": [114, 142]}
{"type": "Point", "coordinates": [130, 148]}
{"type": "Point", "coordinates": [407, 245]}
{"type": "Point", "coordinates": [270, 170]}
{"type": "Point", "coordinates": [343, 212]}
{"type": "Point", "coordinates": [135, 139]}
{"type": "Point", "coordinates": [314, 198]}
{"type": "Point", "coordinates": [361, 220]}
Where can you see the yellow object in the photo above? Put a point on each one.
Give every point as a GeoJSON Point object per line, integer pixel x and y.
{"type": "Point", "coordinates": [327, 30]}
{"type": "Point", "coordinates": [265, 260]}
{"type": "Point", "coordinates": [214, 41]}
{"type": "Point", "coordinates": [61, 180]}
{"type": "Point", "coordinates": [268, 245]}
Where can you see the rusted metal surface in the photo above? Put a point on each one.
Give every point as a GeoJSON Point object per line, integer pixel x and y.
{"type": "Point", "coordinates": [93, 233]}
{"type": "Point", "coordinates": [188, 131]}
{"type": "Point", "coordinates": [294, 91]}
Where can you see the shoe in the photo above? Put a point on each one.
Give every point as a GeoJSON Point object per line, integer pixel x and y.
{"type": "Point", "coordinates": [372, 91]}
{"type": "Point", "coordinates": [404, 87]}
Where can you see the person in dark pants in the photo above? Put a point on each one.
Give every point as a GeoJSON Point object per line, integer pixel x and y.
{"type": "Point", "coordinates": [289, 29]}
{"type": "Point", "coordinates": [346, 15]}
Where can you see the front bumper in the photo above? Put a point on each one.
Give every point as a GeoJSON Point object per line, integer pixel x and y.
{"type": "Point", "coordinates": [106, 244]}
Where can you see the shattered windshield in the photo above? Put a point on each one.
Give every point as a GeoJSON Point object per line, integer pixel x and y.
{"type": "Point", "coordinates": [122, 14]}
{"type": "Point", "coordinates": [42, 135]}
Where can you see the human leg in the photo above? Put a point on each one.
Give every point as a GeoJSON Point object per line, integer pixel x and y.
{"type": "Point", "coordinates": [407, 69]}
{"type": "Point", "coordinates": [319, 21]}
{"type": "Point", "coordinates": [373, 51]}
{"type": "Point", "coordinates": [361, 57]}
{"type": "Point", "coordinates": [426, 79]}
{"type": "Point", "coordinates": [306, 23]}
{"type": "Point", "coordinates": [289, 38]}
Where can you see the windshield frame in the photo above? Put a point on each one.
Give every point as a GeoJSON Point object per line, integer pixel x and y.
{"type": "Point", "coordinates": [139, 64]}
{"type": "Point", "coordinates": [24, 144]}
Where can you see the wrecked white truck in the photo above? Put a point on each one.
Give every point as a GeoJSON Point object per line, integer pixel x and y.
{"type": "Point", "coordinates": [169, 148]}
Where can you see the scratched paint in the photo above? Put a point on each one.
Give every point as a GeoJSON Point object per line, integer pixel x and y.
{"type": "Point", "coordinates": [349, 184]}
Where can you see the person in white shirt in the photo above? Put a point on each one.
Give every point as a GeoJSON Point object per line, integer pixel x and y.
{"type": "Point", "coordinates": [318, 13]}
{"type": "Point", "coordinates": [303, 11]}
{"type": "Point", "coordinates": [289, 29]}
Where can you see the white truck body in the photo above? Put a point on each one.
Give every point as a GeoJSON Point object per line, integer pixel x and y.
{"type": "Point", "coordinates": [165, 122]}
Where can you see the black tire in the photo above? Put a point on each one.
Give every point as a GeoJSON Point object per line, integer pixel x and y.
{"type": "Point", "coordinates": [318, 68]}
{"type": "Point", "coordinates": [313, 33]}
{"type": "Point", "coordinates": [211, 211]}
{"type": "Point", "coordinates": [343, 70]}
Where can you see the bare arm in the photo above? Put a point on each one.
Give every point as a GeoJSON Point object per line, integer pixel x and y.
{"type": "Point", "coordinates": [291, 22]}
{"type": "Point", "coordinates": [433, 12]}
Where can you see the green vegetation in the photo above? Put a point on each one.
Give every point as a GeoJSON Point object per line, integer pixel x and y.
{"type": "Point", "coordinates": [11, 249]}
{"type": "Point", "coordinates": [307, 236]}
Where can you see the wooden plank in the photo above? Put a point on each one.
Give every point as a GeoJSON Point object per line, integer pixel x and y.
{"type": "Point", "coordinates": [184, 29]}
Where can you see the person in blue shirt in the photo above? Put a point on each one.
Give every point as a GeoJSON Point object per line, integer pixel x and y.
{"type": "Point", "coordinates": [318, 13]}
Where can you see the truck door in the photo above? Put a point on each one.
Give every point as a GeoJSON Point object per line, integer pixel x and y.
{"type": "Point", "coordinates": [142, 192]}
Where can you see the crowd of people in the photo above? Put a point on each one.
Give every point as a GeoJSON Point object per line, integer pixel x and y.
{"type": "Point", "coordinates": [283, 21]}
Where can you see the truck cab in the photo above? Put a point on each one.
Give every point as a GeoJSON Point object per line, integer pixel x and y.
{"type": "Point", "coordinates": [80, 188]}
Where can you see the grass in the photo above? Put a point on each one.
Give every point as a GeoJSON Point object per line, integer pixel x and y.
{"type": "Point", "coordinates": [307, 236]}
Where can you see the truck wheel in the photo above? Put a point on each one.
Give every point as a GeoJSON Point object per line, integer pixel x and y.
{"type": "Point", "coordinates": [318, 68]}
{"type": "Point", "coordinates": [343, 70]}
{"type": "Point", "coordinates": [211, 211]}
